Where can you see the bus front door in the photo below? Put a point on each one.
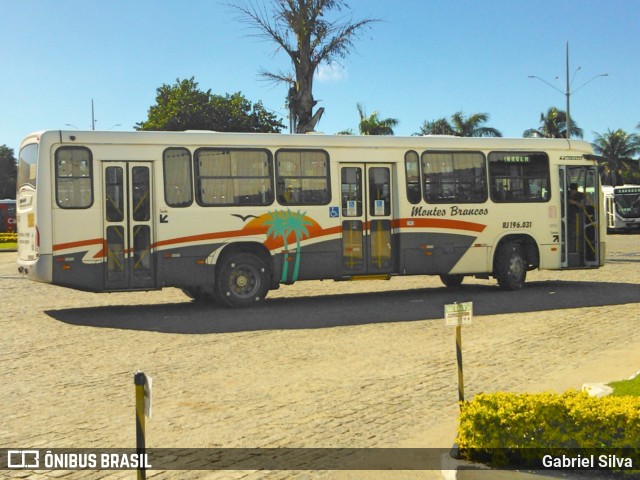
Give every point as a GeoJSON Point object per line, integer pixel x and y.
{"type": "Point", "coordinates": [367, 214]}
{"type": "Point", "coordinates": [581, 218]}
{"type": "Point", "coordinates": [128, 227]}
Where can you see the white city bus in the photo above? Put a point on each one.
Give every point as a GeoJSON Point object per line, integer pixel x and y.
{"type": "Point", "coordinates": [622, 206]}
{"type": "Point", "coordinates": [227, 217]}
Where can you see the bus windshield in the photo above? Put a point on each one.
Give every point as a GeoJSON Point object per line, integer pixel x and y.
{"type": "Point", "coordinates": [628, 202]}
{"type": "Point", "coordinates": [27, 165]}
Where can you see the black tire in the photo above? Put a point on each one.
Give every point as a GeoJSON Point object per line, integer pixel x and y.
{"type": "Point", "coordinates": [242, 280]}
{"type": "Point", "coordinates": [201, 294]}
{"type": "Point", "coordinates": [452, 281]}
{"type": "Point", "coordinates": [194, 293]}
{"type": "Point", "coordinates": [510, 266]}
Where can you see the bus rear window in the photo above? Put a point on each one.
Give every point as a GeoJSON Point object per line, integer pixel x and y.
{"type": "Point", "coordinates": [27, 165]}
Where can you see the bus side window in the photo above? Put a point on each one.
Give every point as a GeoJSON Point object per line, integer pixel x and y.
{"type": "Point", "coordinates": [74, 182]}
{"type": "Point", "coordinates": [412, 173]}
{"type": "Point", "coordinates": [303, 177]}
{"type": "Point", "coordinates": [454, 177]}
{"type": "Point", "coordinates": [178, 183]}
{"type": "Point", "coordinates": [519, 177]}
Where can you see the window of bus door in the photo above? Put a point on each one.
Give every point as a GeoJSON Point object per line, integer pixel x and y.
{"type": "Point", "coordinates": [352, 230]}
{"type": "Point", "coordinates": [366, 225]}
{"type": "Point", "coordinates": [379, 218]}
{"type": "Point", "coordinates": [581, 218]}
{"type": "Point", "coordinates": [128, 225]}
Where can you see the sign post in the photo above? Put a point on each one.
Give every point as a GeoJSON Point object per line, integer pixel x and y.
{"type": "Point", "coordinates": [456, 315]}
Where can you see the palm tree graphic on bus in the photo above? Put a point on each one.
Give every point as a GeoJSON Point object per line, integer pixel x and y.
{"type": "Point", "coordinates": [284, 224]}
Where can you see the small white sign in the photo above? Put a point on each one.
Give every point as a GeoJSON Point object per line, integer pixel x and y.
{"type": "Point", "coordinates": [379, 208]}
{"type": "Point", "coordinates": [147, 395]}
{"type": "Point", "coordinates": [458, 314]}
{"type": "Point", "coordinates": [352, 209]}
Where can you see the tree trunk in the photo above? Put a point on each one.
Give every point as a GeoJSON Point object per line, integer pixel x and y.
{"type": "Point", "coordinates": [304, 101]}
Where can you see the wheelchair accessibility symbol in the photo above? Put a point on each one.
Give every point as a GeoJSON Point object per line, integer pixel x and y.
{"type": "Point", "coordinates": [334, 212]}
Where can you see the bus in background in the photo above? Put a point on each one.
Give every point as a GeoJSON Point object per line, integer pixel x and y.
{"type": "Point", "coordinates": [7, 216]}
{"type": "Point", "coordinates": [622, 206]}
{"type": "Point", "coordinates": [228, 216]}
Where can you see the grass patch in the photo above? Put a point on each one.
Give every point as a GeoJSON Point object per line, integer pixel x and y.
{"type": "Point", "coordinates": [626, 387]}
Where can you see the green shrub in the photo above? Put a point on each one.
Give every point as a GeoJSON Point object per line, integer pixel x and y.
{"type": "Point", "coordinates": [518, 429]}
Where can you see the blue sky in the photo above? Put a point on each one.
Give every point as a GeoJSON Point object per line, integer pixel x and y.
{"type": "Point", "coordinates": [424, 60]}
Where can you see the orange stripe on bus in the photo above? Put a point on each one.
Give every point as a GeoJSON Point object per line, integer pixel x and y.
{"type": "Point", "coordinates": [439, 223]}
{"type": "Point", "coordinates": [81, 243]}
{"type": "Point", "coordinates": [274, 243]}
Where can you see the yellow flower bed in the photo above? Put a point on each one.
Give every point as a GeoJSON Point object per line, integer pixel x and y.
{"type": "Point", "coordinates": [519, 429]}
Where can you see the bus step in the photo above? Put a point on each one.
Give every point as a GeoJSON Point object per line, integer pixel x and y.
{"type": "Point", "coordinates": [371, 277]}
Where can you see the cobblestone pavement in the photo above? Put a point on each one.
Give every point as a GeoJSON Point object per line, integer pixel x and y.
{"type": "Point", "coordinates": [321, 364]}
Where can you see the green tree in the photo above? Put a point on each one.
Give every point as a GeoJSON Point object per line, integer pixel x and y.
{"type": "Point", "coordinates": [617, 149]}
{"type": "Point", "coordinates": [373, 124]}
{"type": "Point", "coordinates": [460, 126]}
{"type": "Point", "coordinates": [8, 173]}
{"type": "Point", "coordinates": [303, 29]}
{"type": "Point", "coordinates": [183, 106]}
{"type": "Point", "coordinates": [553, 124]}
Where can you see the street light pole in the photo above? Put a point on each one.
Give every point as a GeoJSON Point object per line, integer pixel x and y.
{"type": "Point", "coordinates": [568, 91]}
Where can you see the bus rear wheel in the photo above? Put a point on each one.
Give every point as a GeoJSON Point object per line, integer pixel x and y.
{"type": "Point", "coordinates": [510, 266]}
{"type": "Point", "coordinates": [242, 280]}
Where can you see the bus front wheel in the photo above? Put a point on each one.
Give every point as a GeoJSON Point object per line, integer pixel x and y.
{"type": "Point", "coordinates": [511, 266]}
{"type": "Point", "coordinates": [242, 280]}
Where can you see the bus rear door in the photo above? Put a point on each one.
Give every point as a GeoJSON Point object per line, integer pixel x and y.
{"type": "Point", "coordinates": [128, 226]}
{"type": "Point", "coordinates": [367, 215]}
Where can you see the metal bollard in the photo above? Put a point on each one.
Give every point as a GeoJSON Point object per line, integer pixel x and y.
{"type": "Point", "coordinates": [459, 359]}
{"type": "Point", "coordinates": [140, 381]}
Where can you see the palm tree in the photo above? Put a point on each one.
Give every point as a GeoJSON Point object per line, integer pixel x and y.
{"type": "Point", "coordinates": [304, 30]}
{"type": "Point", "coordinates": [278, 228]}
{"type": "Point", "coordinates": [282, 224]}
{"type": "Point", "coordinates": [459, 126]}
{"type": "Point", "coordinates": [373, 125]}
{"type": "Point", "coordinates": [297, 223]}
{"type": "Point", "coordinates": [554, 125]}
{"type": "Point", "coordinates": [436, 127]}
{"type": "Point", "coordinates": [616, 149]}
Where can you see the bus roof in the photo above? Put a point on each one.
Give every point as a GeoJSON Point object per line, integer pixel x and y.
{"type": "Point", "coordinates": [317, 140]}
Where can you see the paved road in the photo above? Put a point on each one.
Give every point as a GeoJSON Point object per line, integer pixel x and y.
{"type": "Point", "coordinates": [370, 364]}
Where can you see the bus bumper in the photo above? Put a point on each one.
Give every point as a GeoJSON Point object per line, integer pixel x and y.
{"type": "Point", "coordinates": [38, 270]}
